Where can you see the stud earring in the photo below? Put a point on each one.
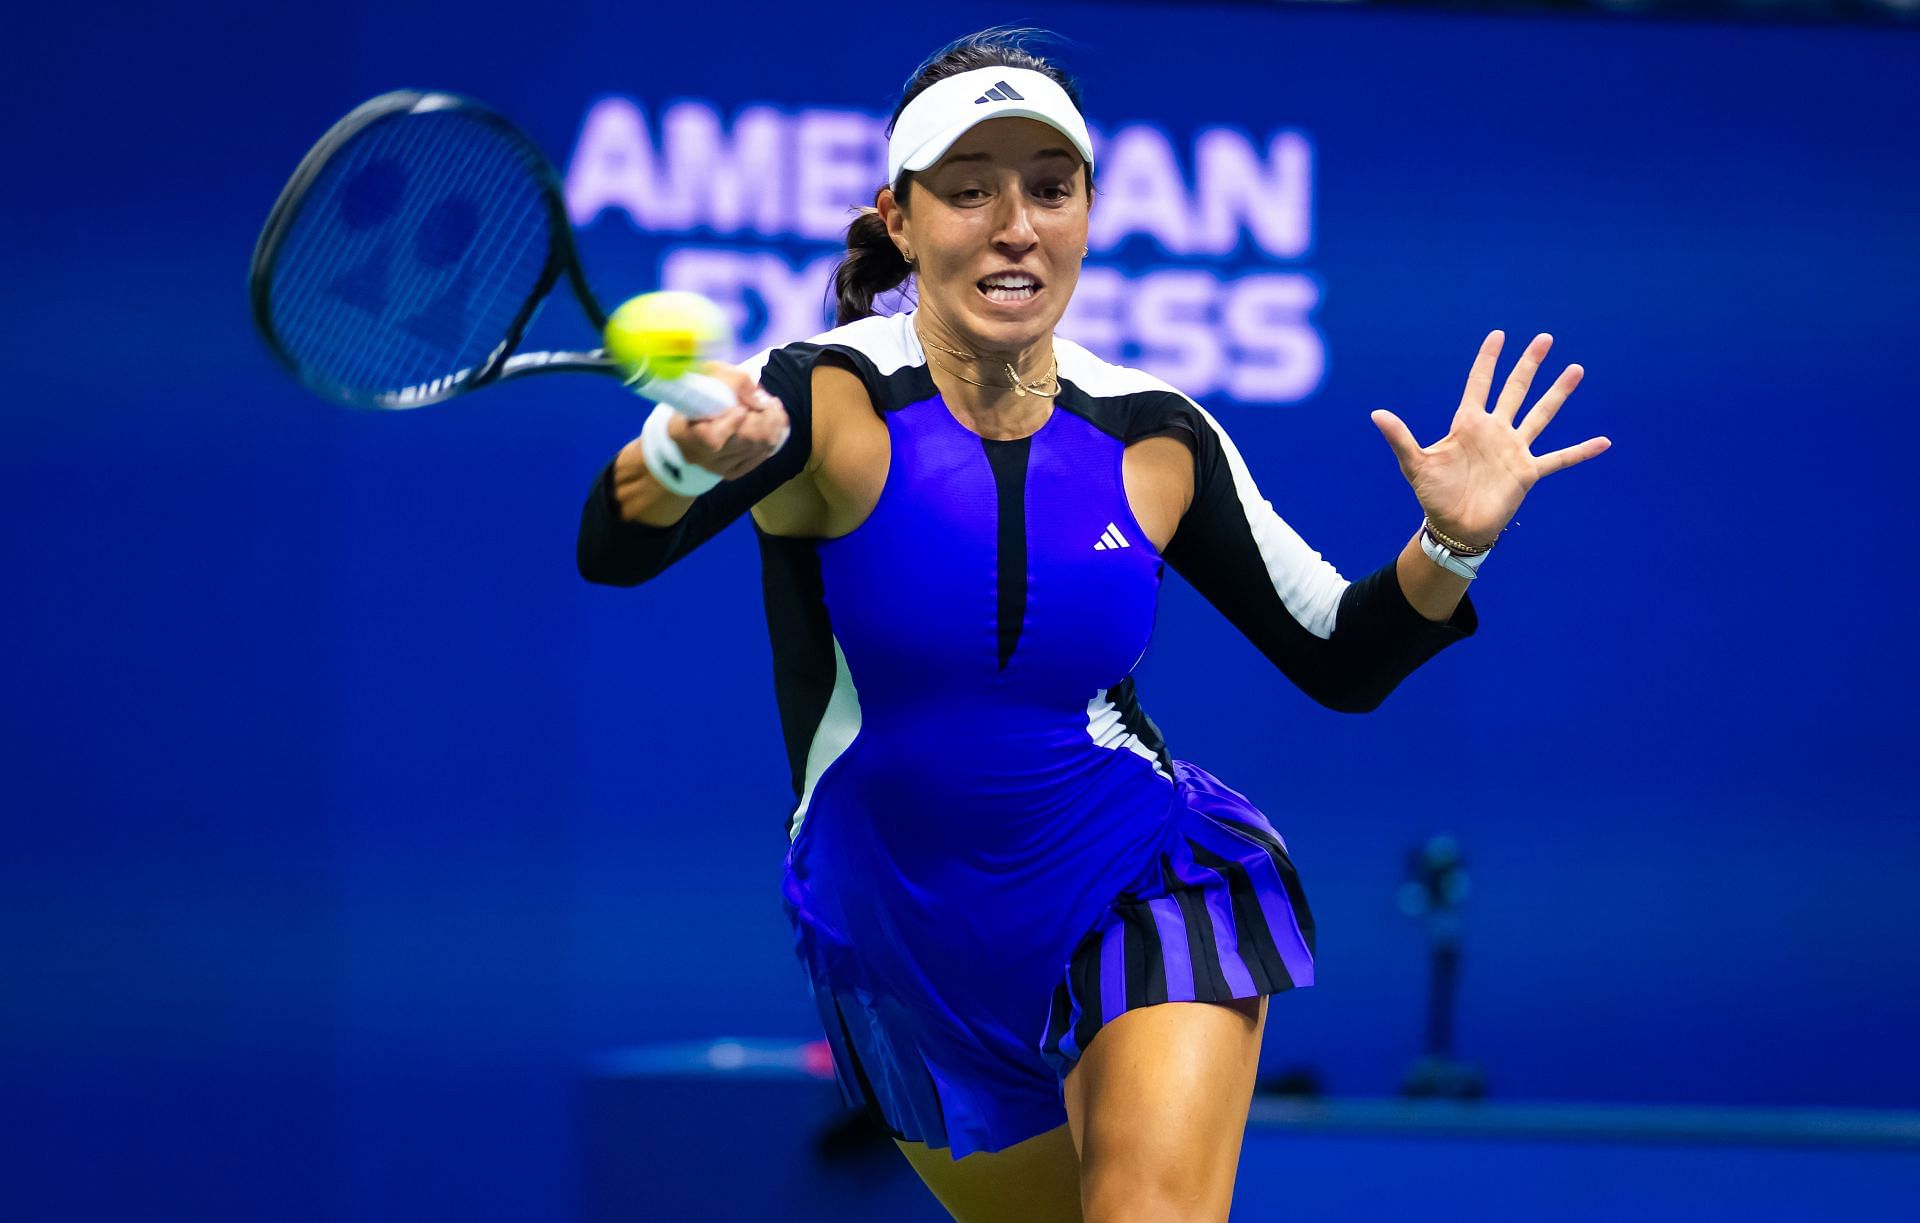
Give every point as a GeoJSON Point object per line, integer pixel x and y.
{"type": "Point", "coordinates": [1085, 251]}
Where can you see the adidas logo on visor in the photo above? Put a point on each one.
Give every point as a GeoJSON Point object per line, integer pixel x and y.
{"type": "Point", "coordinates": [1001, 92]}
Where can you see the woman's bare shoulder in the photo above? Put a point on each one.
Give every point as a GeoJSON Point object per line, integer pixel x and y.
{"type": "Point", "coordinates": [847, 465]}
{"type": "Point", "coordinates": [840, 403]}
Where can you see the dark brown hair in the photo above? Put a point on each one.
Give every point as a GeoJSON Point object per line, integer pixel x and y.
{"type": "Point", "coordinates": [873, 265]}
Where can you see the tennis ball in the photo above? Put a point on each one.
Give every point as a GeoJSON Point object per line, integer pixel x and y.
{"type": "Point", "coordinates": [665, 333]}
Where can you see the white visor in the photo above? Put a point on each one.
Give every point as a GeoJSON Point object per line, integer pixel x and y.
{"type": "Point", "coordinates": [949, 108]}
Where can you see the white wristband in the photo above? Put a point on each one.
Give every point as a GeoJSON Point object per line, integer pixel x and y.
{"type": "Point", "coordinates": [1466, 566]}
{"type": "Point", "coordinates": [666, 463]}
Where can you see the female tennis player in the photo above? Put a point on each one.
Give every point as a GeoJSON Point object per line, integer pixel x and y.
{"type": "Point", "coordinates": [1041, 946]}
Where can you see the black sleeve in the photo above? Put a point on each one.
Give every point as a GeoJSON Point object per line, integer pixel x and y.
{"type": "Point", "coordinates": [1345, 644]}
{"type": "Point", "coordinates": [615, 552]}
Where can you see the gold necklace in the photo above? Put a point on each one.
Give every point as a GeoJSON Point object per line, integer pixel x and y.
{"type": "Point", "coordinates": [1043, 388]}
{"type": "Point", "coordinates": [1036, 388]}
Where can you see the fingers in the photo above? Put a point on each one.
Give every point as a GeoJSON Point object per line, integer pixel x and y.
{"type": "Point", "coordinates": [740, 438]}
{"type": "Point", "coordinates": [1560, 460]}
{"type": "Point", "coordinates": [1480, 377]}
{"type": "Point", "coordinates": [1514, 393]}
{"type": "Point", "coordinates": [759, 435]}
{"type": "Point", "coordinates": [731, 443]}
{"type": "Point", "coordinates": [748, 392]}
{"type": "Point", "coordinates": [735, 379]}
{"type": "Point", "coordinates": [1543, 412]}
{"type": "Point", "coordinates": [1398, 436]}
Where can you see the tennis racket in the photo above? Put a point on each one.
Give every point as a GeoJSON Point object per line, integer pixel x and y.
{"type": "Point", "coordinates": [411, 249]}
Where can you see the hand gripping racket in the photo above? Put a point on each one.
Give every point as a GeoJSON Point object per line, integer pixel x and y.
{"type": "Point", "coordinates": [411, 249]}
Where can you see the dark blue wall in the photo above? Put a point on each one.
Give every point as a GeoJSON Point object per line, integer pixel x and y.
{"type": "Point", "coordinates": [344, 824]}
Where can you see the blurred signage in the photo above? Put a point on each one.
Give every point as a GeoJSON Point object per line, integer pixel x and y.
{"type": "Point", "coordinates": [1189, 238]}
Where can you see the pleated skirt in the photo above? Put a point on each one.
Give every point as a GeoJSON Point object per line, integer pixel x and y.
{"type": "Point", "coordinates": [1216, 914]}
{"type": "Point", "coordinates": [1225, 919]}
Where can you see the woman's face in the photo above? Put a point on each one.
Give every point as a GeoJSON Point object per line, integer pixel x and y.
{"type": "Point", "coordinates": [997, 228]}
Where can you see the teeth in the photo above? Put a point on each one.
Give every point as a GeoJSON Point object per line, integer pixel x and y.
{"type": "Point", "coordinates": [1009, 287]}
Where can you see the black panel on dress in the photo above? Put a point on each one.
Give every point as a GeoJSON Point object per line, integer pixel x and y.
{"type": "Point", "coordinates": [802, 640]}
{"type": "Point", "coordinates": [1009, 458]}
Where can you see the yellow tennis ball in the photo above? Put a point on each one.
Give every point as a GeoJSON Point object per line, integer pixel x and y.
{"type": "Point", "coordinates": [665, 333]}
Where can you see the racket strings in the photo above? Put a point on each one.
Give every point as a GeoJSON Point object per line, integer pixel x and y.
{"type": "Point", "coordinates": [368, 285]}
{"type": "Point", "coordinates": [418, 246]}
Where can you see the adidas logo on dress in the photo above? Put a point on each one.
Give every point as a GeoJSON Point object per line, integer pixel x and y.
{"type": "Point", "coordinates": [1001, 92]}
{"type": "Point", "coordinates": [1111, 538]}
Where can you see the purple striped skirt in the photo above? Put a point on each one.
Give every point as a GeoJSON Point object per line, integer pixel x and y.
{"type": "Point", "coordinates": [1225, 918]}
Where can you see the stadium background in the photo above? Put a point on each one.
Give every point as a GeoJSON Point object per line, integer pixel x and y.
{"type": "Point", "coordinates": [346, 828]}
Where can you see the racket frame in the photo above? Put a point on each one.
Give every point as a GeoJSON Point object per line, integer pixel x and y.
{"type": "Point", "coordinates": [503, 362]}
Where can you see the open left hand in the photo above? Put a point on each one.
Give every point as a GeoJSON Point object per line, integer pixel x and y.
{"type": "Point", "coordinates": [1471, 481]}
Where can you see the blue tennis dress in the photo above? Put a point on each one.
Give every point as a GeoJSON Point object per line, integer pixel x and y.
{"type": "Point", "coordinates": [992, 853]}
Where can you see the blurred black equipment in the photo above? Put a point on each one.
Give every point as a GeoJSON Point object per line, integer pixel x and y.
{"type": "Point", "coordinates": [1436, 886]}
{"type": "Point", "coordinates": [1298, 1082]}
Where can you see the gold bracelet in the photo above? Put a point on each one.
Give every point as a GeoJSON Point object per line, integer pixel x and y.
{"type": "Point", "coordinates": [1453, 545]}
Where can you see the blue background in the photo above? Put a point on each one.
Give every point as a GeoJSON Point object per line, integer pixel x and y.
{"type": "Point", "coordinates": [345, 822]}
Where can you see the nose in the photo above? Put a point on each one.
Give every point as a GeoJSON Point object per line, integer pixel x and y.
{"type": "Point", "coordinates": [1013, 228]}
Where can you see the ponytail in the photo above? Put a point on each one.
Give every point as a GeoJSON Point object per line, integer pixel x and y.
{"type": "Point", "coordinates": [872, 266]}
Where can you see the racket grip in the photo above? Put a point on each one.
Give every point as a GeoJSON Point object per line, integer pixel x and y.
{"type": "Point", "coordinates": [694, 396]}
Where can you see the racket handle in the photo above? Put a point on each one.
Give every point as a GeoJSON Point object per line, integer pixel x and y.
{"type": "Point", "coordinates": [694, 396]}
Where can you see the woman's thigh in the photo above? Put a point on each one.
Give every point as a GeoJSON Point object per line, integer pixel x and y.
{"type": "Point", "coordinates": [1036, 1181]}
{"type": "Point", "coordinates": [1157, 1106]}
